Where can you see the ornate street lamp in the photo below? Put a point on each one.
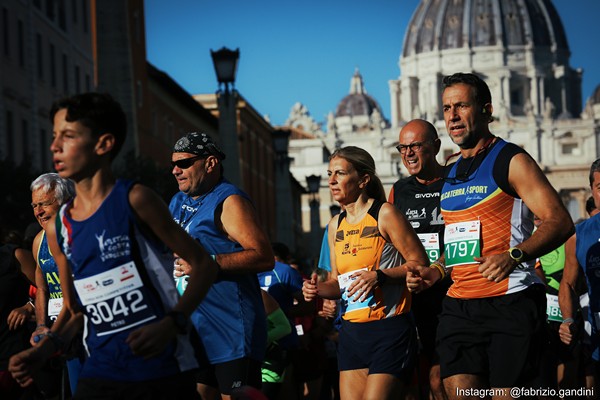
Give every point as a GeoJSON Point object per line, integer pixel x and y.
{"type": "Point", "coordinates": [314, 183]}
{"type": "Point", "coordinates": [225, 62]}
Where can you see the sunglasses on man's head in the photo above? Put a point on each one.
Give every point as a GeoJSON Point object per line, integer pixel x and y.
{"type": "Point", "coordinates": [185, 163]}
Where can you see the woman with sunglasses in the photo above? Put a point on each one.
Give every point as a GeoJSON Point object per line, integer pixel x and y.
{"type": "Point", "coordinates": [372, 244]}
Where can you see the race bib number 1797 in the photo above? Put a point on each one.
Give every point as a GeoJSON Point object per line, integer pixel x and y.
{"type": "Point", "coordinates": [462, 243]}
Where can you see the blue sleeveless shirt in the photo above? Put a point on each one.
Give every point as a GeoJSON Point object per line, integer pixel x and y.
{"type": "Point", "coordinates": [50, 272]}
{"type": "Point", "coordinates": [231, 320]}
{"type": "Point", "coordinates": [587, 250]}
{"type": "Point", "coordinates": [123, 281]}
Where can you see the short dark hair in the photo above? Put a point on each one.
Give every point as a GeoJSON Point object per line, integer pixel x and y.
{"type": "Point", "coordinates": [281, 251]}
{"type": "Point", "coordinates": [594, 168]}
{"type": "Point", "coordinates": [482, 91]}
{"type": "Point", "coordinates": [98, 112]}
{"type": "Point", "coordinates": [590, 205]}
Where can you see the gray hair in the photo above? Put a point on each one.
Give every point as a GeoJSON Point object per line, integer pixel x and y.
{"type": "Point", "coordinates": [64, 189]}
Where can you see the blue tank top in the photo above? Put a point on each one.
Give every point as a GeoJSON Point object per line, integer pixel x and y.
{"type": "Point", "coordinates": [123, 281]}
{"type": "Point", "coordinates": [231, 319]}
{"type": "Point", "coordinates": [50, 272]}
{"type": "Point", "coordinates": [587, 250]}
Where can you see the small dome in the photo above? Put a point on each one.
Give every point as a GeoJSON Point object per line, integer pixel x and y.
{"type": "Point", "coordinates": [358, 102]}
{"type": "Point", "coordinates": [595, 97]}
{"type": "Point", "coordinates": [454, 24]}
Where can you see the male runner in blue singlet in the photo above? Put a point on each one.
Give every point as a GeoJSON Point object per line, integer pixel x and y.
{"type": "Point", "coordinates": [231, 320]}
{"type": "Point", "coordinates": [109, 245]}
{"type": "Point", "coordinates": [582, 250]}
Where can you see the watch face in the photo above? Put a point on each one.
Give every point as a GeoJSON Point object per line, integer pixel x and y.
{"type": "Point", "coordinates": [516, 254]}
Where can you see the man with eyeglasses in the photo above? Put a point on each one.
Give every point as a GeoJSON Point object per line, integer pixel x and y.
{"type": "Point", "coordinates": [418, 197]}
{"type": "Point", "coordinates": [491, 329]}
{"type": "Point", "coordinates": [230, 321]}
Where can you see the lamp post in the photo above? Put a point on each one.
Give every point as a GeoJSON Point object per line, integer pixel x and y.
{"type": "Point", "coordinates": [334, 210]}
{"type": "Point", "coordinates": [284, 204]}
{"type": "Point", "coordinates": [314, 183]}
{"type": "Point", "coordinates": [225, 62]}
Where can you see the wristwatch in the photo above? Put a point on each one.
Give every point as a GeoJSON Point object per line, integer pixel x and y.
{"type": "Point", "coordinates": [516, 254]}
{"type": "Point", "coordinates": [181, 322]}
{"type": "Point", "coordinates": [381, 277]}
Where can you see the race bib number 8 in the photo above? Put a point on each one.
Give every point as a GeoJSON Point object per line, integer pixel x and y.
{"type": "Point", "coordinates": [552, 308]}
{"type": "Point", "coordinates": [462, 243]}
{"type": "Point", "coordinates": [114, 300]}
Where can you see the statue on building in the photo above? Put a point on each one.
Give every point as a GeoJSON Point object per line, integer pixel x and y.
{"type": "Point", "coordinates": [528, 109]}
{"type": "Point", "coordinates": [549, 109]}
{"type": "Point", "coordinates": [377, 120]}
{"type": "Point", "coordinates": [331, 126]}
{"type": "Point", "coordinates": [301, 118]}
{"type": "Point", "coordinates": [416, 112]}
{"type": "Point", "coordinates": [503, 113]}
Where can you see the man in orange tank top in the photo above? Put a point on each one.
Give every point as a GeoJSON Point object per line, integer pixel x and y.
{"type": "Point", "coordinates": [491, 328]}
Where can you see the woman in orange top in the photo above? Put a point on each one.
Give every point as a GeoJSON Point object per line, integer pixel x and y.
{"type": "Point", "coordinates": [369, 241]}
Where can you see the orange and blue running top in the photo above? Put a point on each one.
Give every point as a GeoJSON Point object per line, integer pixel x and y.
{"type": "Point", "coordinates": [361, 246]}
{"type": "Point", "coordinates": [504, 222]}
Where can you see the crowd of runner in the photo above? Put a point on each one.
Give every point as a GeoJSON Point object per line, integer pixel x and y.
{"type": "Point", "coordinates": [466, 280]}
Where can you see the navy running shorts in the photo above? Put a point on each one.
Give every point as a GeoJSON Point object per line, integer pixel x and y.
{"type": "Point", "coordinates": [387, 346]}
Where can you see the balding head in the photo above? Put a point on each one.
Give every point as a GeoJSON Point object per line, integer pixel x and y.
{"type": "Point", "coordinates": [418, 146]}
{"type": "Point", "coordinates": [420, 126]}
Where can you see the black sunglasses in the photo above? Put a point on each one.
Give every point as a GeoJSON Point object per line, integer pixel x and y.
{"type": "Point", "coordinates": [185, 163]}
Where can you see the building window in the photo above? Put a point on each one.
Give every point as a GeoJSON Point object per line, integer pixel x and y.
{"type": "Point", "coordinates": [77, 79]}
{"type": "Point", "coordinates": [50, 9]}
{"type": "Point", "coordinates": [74, 11]}
{"type": "Point", "coordinates": [25, 141]}
{"type": "Point", "coordinates": [139, 94]}
{"type": "Point", "coordinates": [44, 149]}
{"type": "Point", "coordinates": [84, 15]}
{"type": "Point", "coordinates": [87, 83]}
{"type": "Point", "coordinates": [21, 42]}
{"type": "Point", "coordinates": [137, 27]}
{"type": "Point", "coordinates": [39, 56]}
{"type": "Point", "coordinates": [154, 123]}
{"type": "Point", "coordinates": [10, 137]}
{"type": "Point", "coordinates": [62, 16]}
{"type": "Point", "coordinates": [52, 66]}
{"type": "Point", "coordinates": [5, 32]}
{"type": "Point", "coordinates": [570, 149]}
{"type": "Point", "coordinates": [65, 74]}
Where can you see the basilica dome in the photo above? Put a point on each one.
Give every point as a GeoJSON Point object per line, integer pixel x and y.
{"type": "Point", "coordinates": [518, 47]}
{"type": "Point", "coordinates": [455, 24]}
{"type": "Point", "coordinates": [358, 102]}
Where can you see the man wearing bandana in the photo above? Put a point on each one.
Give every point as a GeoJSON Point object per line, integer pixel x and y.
{"type": "Point", "coordinates": [231, 322]}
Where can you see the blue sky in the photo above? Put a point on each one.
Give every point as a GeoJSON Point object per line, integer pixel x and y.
{"type": "Point", "coordinates": [306, 51]}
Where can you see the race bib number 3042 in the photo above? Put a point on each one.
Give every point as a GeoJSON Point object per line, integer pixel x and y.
{"type": "Point", "coordinates": [462, 243]}
{"type": "Point", "coordinates": [114, 300]}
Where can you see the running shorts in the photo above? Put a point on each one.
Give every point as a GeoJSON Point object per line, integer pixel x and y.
{"type": "Point", "coordinates": [387, 346]}
{"type": "Point", "coordinates": [500, 338]}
